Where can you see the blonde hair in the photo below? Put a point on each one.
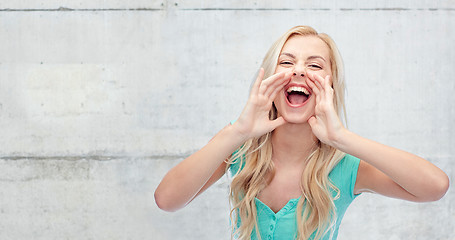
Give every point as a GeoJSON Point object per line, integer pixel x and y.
{"type": "Point", "coordinates": [316, 209]}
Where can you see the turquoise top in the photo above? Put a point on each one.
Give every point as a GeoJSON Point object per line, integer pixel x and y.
{"type": "Point", "coordinates": [283, 224]}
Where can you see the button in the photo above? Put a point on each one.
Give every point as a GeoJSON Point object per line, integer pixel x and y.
{"type": "Point", "coordinates": [292, 204]}
{"type": "Point", "coordinates": [270, 237]}
{"type": "Point", "coordinates": [271, 227]}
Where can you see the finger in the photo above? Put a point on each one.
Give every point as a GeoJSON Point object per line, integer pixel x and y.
{"type": "Point", "coordinates": [328, 82]}
{"type": "Point", "coordinates": [317, 90]}
{"type": "Point", "coordinates": [313, 87]}
{"type": "Point", "coordinates": [273, 82]}
{"type": "Point", "coordinates": [278, 122]}
{"type": "Point", "coordinates": [328, 87]}
{"type": "Point", "coordinates": [312, 121]}
{"type": "Point", "coordinates": [269, 83]}
{"type": "Point", "coordinates": [318, 80]}
{"type": "Point", "coordinates": [257, 82]}
{"type": "Point", "coordinates": [278, 85]}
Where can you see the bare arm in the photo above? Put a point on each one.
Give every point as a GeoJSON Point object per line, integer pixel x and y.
{"type": "Point", "coordinates": [393, 172]}
{"type": "Point", "coordinates": [200, 170]}
{"type": "Point", "coordinates": [184, 181]}
{"type": "Point", "coordinates": [385, 170]}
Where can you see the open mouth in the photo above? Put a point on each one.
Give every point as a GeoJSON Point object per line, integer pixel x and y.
{"type": "Point", "coordinates": [297, 96]}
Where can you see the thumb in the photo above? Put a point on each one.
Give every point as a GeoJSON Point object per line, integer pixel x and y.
{"type": "Point", "coordinates": [312, 121]}
{"type": "Point", "coordinates": [278, 122]}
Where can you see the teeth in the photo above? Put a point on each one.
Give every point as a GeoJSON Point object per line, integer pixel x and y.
{"type": "Point", "coordinates": [298, 89]}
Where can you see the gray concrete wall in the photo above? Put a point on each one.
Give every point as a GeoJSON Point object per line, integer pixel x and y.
{"type": "Point", "coordinates": [99, 99]}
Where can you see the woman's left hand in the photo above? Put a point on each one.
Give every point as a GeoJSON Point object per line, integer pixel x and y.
{"type": "Point", "coordinates": [383, 169]}
{"type": "Point", "coordinates": [325, 123]}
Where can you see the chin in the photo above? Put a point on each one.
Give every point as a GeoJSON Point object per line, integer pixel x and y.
{"type": "Point", "coordinates": [296, 118]}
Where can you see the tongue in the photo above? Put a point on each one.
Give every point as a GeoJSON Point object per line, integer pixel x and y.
{"type": "Point", "coordinates": [295, 98]}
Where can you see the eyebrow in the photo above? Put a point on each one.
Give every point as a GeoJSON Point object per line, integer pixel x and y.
{"type": "Point", "coordinates": [308, 58]}
{"type": "Point", "coordinates": [315, 56]}
{"type": "Point", "coordinates": [288, 54]}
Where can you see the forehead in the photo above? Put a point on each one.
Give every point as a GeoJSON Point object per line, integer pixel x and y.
{"type": "Point", "coordinates": [306, 46]}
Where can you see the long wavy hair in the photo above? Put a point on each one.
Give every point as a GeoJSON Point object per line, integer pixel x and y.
{"type": "Point", "coordinates": [315, 209]}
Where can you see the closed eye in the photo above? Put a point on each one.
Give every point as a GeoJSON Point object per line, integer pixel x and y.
{"type": "Point", "coordinates": [286, 63]}
{"type": "Point", "coordinates": [314, 66]}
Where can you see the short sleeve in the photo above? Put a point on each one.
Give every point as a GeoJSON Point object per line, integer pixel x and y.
{"type": "Point", "coordinates": [344, 175]}
{"type": "Point", "coordinates": [353, 164]}
{"type": "Point", "coordinates": [235, 166]}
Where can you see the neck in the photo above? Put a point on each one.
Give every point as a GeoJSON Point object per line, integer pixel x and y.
{"type": "Point", "coordinates": [293, 143]}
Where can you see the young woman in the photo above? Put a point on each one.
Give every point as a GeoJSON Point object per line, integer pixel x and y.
{"type": "Point", "coordinates": [295, 167]}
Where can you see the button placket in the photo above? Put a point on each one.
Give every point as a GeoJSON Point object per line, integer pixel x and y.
{"type": "Point", "coordinates": [272, 227]}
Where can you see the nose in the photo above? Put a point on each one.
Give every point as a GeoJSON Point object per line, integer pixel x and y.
{"type": "Point", "coordinates": [300, 74]}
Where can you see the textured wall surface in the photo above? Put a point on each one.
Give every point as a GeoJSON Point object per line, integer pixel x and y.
{"type": "Point", "coordinates": [99, 99]}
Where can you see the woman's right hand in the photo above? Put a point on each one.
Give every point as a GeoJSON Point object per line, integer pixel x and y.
{"type": "Point", "coordinates": [254, 120]}
{"type": "Point", "coordinates": [204, 167]}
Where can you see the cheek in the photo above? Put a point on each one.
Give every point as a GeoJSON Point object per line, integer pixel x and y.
{"type": "Point", "coordinates": [321, 73]}
{"type": "Point", "coordinates": [279, 69]}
